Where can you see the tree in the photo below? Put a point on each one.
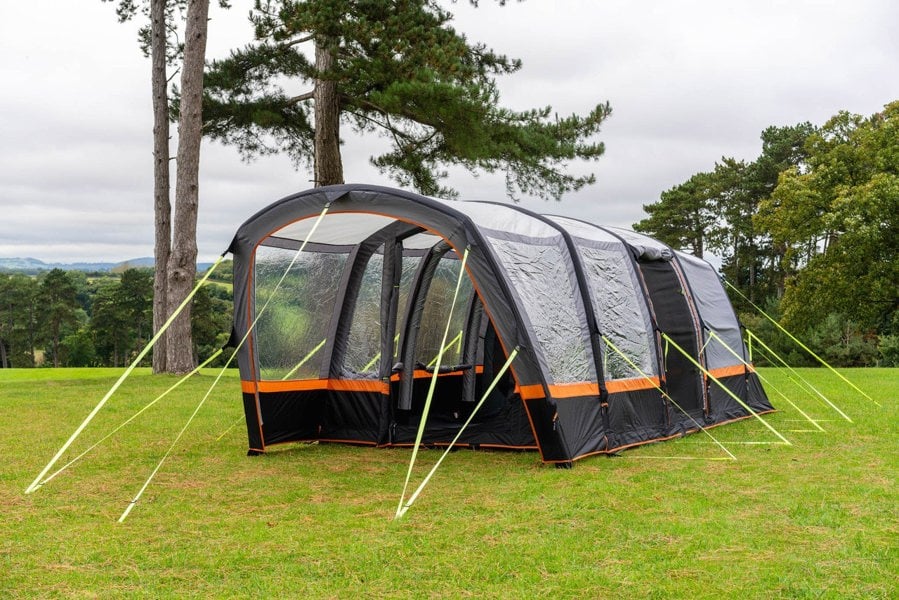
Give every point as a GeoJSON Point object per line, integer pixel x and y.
{"type": "Point", "coordinates": [839, 221]}
{"type": "Point", "coordinates": [175, 248]}
{"type": "Point", "coordinates": [398, 70]}
{"type": "Point", "coordinates": [684, 216]}
{"type": "Point", "coordinates": [18, 320]}
{"type": "Point", "coordinates": [57, 309]}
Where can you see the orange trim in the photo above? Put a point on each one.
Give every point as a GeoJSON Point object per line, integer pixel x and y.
{"type": "Point", "coordinates": [531, 392]}
{"type": "Point", "coordinates": [574, 390]}
{"type": "Point", "coordinates": [632, 385]}
{"type": "Point", "coordinates": [339, 385]}
{"type": "Point", "coordinates": [730, 371]}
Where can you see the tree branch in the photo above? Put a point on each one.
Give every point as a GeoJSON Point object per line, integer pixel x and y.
{"type": "Point", "coordinates": [301, 98]}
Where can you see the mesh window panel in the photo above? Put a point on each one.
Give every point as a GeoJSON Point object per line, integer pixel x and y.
{"type": "Point", "coordinates": [291, 332]}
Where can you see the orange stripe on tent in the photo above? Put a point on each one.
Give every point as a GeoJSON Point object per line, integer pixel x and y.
{"type": "Point", "coordinates": [632, 385]}
{"type": "Point", "coordinates": [574, 390]}
{"type": "Point", "coordinates": [340, 385]}
{"type": "Point", "coordinates": [730, 371]}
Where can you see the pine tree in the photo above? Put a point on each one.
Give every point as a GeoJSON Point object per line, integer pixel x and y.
{"type": "Point", "coordinates": [393, 69]}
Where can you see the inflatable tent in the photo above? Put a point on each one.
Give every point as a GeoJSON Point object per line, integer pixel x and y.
{"type": "Point", "coordinates": [344, 295]}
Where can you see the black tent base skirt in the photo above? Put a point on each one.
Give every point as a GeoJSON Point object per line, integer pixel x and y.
{"type": "Point", "coordinates": [632, 418]}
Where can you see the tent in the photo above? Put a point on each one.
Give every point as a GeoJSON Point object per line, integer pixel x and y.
{"type": "Point", "coordinates": [350, 297]}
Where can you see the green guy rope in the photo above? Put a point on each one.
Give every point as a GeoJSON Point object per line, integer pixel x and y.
{"type": "Point", "coordinates": [803, 346]}
{"type": "Point", "coordinates": [175, 442]}
{"type": "Point", "coordinates": [796, 373]}
{"type": "Point", "coordinates": [433, 470]}
{"type": "Point", "coordinates": [37, 481]}
{"type": "Point", "coordinates": [670, 399]}
{"type": "Point", "coordinates": [726, 390]}
{"type": "Point", "coordinates": [305, 358]}
{"type": "Point", "coordinates": [765, 380]}
{"type": "Point", "coordinates": [132, 418]}
{"type": "Point", "coordinates": [432, 387]}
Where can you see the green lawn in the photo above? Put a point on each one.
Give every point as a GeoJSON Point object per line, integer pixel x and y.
{"type": "Point", "coordinates": [818, 519]}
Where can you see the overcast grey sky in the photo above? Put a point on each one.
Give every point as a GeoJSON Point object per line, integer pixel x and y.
{"type": "Point", "coordinates": [689, 82]}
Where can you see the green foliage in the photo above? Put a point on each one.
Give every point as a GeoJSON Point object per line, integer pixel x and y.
{"type": "Point", "coordinates": [889, 351]}
{"type": "Point", "coordinates": [103, 320]}
{"type": "Point", "coordinates": [18, 320]}
{"type": "Point", "coordinates": [840, 221]}
{"type": "Point", "coordinates": [402, 72]}
{"type": "Point", "coordinates": [813, 520]}
{"type": "Point", "coordinates": [57, 309]}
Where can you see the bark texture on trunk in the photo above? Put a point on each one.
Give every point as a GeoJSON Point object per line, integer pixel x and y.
{"type": "Point", "coordinates": [328, 165]}
{"type": "Point", "coordinates": [162, 208]}
{"type": "Point", "coordinates": [182, 264]}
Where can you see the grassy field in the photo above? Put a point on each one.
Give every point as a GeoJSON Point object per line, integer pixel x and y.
{"type": "Point", "coordinates": [818, 519]}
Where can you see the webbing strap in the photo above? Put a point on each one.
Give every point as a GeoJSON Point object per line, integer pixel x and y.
{"type": "Point", "coordinates": [433, 385]}
{"type": "Point", "coordinates": [727, 390]}
{"type": "Point", "coordinates": [765, 380]}
{"type": "Point", "coordinates": [37, 480]}
{"type": "Point", "coordinates": [796, 373]}
{"type": "Point", "coordinates": [667, 397]}
{"type": "Point", "coordinates": [803, 346]}
{"type": "Point", "coordinates": [480, 403]}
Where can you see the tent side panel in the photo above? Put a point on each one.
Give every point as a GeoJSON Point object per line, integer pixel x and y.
{"type": "Point", "coordinates": [290, 416]}
{"type": "Point", "coordinates": [674, 317]}
{"type": "Point", "coordinates": [747, 388]}
{"type": "Point", "coordinates": [636, 417]}
{"type": "Point", "coordinates": [254, 432]}
{"type": "Point", "coordinates": [583, 421]}
{"type": "Point", "coordinates": [354, 416]}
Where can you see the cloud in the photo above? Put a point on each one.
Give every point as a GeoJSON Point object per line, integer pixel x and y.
{"type": "Point", "coordinates": [689, 82]}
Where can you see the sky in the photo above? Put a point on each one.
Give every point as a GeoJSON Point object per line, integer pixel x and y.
{"type": "Point", "coordinates": [689, 82]}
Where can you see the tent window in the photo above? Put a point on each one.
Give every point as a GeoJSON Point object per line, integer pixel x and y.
{"type": "Point", "coordinates": [409, 267]}
{"type": "Point", "coordinates": [541, 275]}
{"type": "Point", "coordinates": [292, 331]}
{"type": "Point", "coordinates": [618, 310]}
{"type": "Point", "coordinates": [363, 351]}
{"type": "Point", "coordinates": [435, 313]}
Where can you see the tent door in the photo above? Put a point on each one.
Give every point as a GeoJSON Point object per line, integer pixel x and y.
{"type": "Point", "coordinates": [674, 318]}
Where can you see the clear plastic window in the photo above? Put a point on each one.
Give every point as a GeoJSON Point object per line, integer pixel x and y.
{"type": "Point", "coordinates": [292, 325]}
{"type": "Point", "coordinates": [436, 311]}
{"type": "Point", "coordinates": [541, 275]}
{"type": "Point", "coordinates": [363, 353]}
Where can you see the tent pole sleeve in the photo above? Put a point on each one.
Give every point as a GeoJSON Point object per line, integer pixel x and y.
{"type": "Point", "coordinates": [37, 480]}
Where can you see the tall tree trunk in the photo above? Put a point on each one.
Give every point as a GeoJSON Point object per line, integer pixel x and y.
{"type": "Point", "coordinates": [4, 362]}
{"type": "Point", "coordinates": [182, 264]}
{"type": "Point", "coordinates": [162, 208]}
{"type": "Point", "coordinates": [328, 165]}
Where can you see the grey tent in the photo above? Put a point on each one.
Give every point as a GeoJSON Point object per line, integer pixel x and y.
{"type": "Point", "coordinates": [343, 338]}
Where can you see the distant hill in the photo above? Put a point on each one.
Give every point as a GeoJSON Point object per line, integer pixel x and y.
{"type": "Point", "coordinates": [34, 266]}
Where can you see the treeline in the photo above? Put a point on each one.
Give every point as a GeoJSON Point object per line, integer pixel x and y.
{"type": "Point", "coordinates": [74, 319]}
{"type": "Point", "coordinates": [809, 231]}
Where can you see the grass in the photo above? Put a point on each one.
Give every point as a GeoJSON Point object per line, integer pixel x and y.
{"type": "Point", "coordinates": [817, 519]}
